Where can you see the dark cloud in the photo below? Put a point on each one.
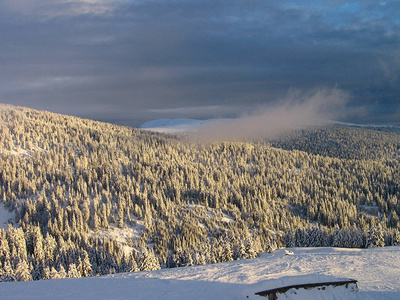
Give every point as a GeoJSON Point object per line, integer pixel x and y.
{"type": "Point", "coordinates": [131, 61]}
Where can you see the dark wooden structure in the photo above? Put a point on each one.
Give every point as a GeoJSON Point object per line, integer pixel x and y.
{"type": "Point", "coordinates": [272, 294]}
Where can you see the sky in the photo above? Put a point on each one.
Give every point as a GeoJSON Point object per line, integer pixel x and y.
{"type": "Point", "coordinates": [130, 61]}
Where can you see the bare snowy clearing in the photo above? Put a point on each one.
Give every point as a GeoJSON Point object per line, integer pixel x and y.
{"type": "Point", "coordinates": [6, 217]}
{"type": "Point", "coordinates": [211, 213]}
{"type": "Point", "coordinates": [121, 235]}
{"type": "Point", "coordinates": [21, 151]}
{"type": "Point", "coordinates": [377, 271]}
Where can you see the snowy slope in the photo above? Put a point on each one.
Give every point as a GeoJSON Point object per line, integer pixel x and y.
{"type": "Point", "coordinates": [377, 271]}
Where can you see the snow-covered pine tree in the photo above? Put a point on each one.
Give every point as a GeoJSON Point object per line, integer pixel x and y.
{"type": "Point", "coordinates": [8, 273]}
{"type": "Point", "coordinates": [86, 266]}
{"type": "Point", "coordinates": [148, 261]}
{"type": "Point", "coordinates": [133, 267]}
{"type": "Point", "coordinates": [22, 272]}
{"type": "Point", "coordinates": [227, 253]}
{"type": "Point", "coordinates": [396, 238]}
{"type": "Point", "coordinates": [73, 271]}
{"type": "Point", "coordinates": [54, 273]}
{"type": "Point", "coordinates": [62, 273]}
{"type": "Point", "coordinates": [290, 240]}
{"type": "Point", "coordinates": [375, 237]}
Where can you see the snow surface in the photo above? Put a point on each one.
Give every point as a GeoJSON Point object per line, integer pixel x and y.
{"type": "Point", "coordinates": [6, 217]}
{"type": "Point", "coordinates": [121, 235]}
{"type": "Point", "coordinates": [20, 151]}
{"type": "Point", "coordinates": [377, 271]}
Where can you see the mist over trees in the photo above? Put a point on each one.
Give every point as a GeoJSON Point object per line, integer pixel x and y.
{"type": "Point", "coordinates": [69, 181]}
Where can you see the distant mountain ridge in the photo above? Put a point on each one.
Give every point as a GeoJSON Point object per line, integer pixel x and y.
{"type": "Point", "coordinates": [179, 124]}
{"type": "Point", "coordinates": [191, 125]}
{"type": "Point", "coordinates": [174, 125]}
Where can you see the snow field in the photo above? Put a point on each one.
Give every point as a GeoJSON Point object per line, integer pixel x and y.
{"type": "Point", "coordinates": [377, 271]}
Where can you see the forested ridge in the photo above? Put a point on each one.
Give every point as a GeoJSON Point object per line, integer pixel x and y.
{"type": "Point", "coordinates": [76, 186]}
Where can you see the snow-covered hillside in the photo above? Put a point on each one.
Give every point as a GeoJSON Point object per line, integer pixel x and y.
{"type": "Point", "coordinates": [377, 271]}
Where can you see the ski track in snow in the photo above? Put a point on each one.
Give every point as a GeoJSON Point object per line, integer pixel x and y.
{"type": "Point", "coordinates": [377, 271]}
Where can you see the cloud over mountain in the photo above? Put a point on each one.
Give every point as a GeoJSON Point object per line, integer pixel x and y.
{"type": "Point", "coordinates": [295, 110]}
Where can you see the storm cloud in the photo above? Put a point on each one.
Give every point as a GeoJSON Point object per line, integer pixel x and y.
{"type": "Point", "coordinates": [131, 61]}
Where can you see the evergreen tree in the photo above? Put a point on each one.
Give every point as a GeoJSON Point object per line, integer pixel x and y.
{"type": "Point", "coordinates": [86, 266]}
{"type": "Point", "coordinates": [148, 262]}
{"type": "Point", "coordinates": [7, 273]}
{"type": "Point", "coordinates": [396, 238]}
{"type": "Point", "coordinates": [375, 237]}
{"type": "Point", "coordinates": [22, 273]}
{"type": "Point", "coordinates": [73, 271]}
{"type": "Point", "coordinates": [290, 240]}
{"type": "Point", "coordinates": [62, 273]}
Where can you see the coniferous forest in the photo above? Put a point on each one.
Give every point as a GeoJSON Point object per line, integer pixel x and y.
{"type": "Point", "coordinates": [88, 198]}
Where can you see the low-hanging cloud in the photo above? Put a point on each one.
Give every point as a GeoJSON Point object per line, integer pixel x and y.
{"type": "Point", "coordinates": [296, 110]}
